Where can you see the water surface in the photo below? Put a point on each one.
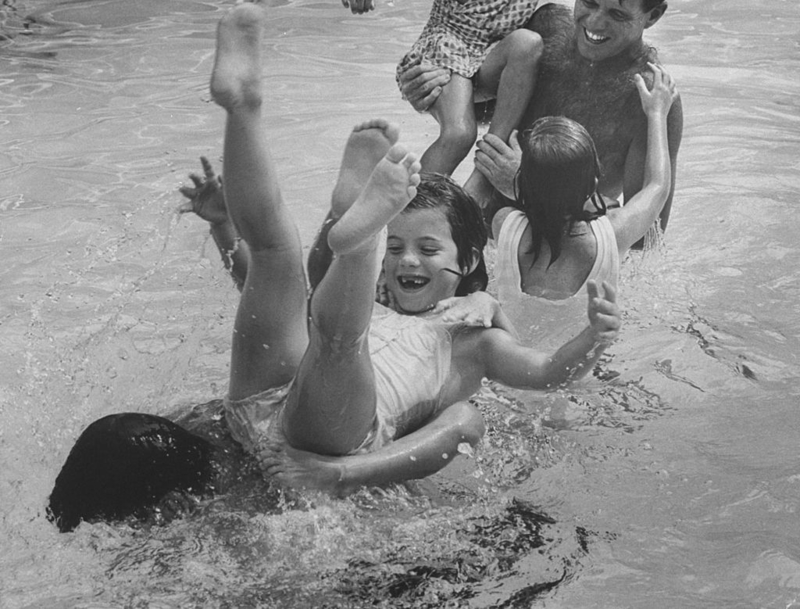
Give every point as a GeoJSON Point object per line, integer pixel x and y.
{"type": "Point", "coordinates": [671, 479]}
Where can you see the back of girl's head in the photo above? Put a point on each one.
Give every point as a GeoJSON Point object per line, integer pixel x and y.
{"type": "Point", "coordinates": [436, 191]}
{"type": "Point", "coordinates": [557, 175]}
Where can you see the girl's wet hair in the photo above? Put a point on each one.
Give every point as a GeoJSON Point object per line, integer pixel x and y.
{"type": "Point", "coordinates": [467, 228]}
{"type": "Point", "coordinates": [558, 174]}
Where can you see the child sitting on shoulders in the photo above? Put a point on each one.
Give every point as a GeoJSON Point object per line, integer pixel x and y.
{"type": "Point", "coordinates": [485, 46]}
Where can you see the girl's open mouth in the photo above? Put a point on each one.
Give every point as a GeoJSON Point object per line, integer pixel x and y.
{"type": "Point", "coordinates": [412, 282]}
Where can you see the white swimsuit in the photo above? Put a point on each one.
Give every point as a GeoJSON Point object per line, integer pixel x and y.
{"type": "Point", "coordinates": [411, 359]}
{"type": "Point", "coordinates": [508, 276]}
{"type": "Point", "coordinates": [540, 321]}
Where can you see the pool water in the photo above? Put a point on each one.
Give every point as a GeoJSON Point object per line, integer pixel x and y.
{"type": "Point", "coordinates": [669, 479]}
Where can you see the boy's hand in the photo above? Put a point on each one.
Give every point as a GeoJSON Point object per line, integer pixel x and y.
{"type": "Point", "coordinates": [661, 95]}
{"type": "Point", "coordinates": [205, 198]}
{"type": "Point", "coordinates": [499, 162]}
{"type": "Point", "coordinates": [477, 309]}
{"type": "Point", "coordinates": [421, 84]}
{"type": "Point", "coordinates": [604, 314]}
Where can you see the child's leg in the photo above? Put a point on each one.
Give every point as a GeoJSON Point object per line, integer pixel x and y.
{"type": "Point", "coordinates": [510, 70]}
{"type": "Point", "coordinates": [331, 408]}
{"type": "Point", "coordinates": [270, 334]}
{"type": "Point", "coordinates": [454, 112]}
{"type": "Point", "coordinates": [367, 144]}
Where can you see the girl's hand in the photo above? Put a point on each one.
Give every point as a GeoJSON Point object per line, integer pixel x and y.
{"type": "Point", "coordinates": [478, 309]}
{"type": "Point", "coordinates": [661, 95]}
{"type": "Point", "coordinates": [604, 314]}
{"type": "Point", "coordinates": [205, 198]}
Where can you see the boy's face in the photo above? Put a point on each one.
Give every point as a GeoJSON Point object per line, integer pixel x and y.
{"type": "Point", "coordinates": [606, 28]}
{"type": "Point", "coordinates": [420, 261]}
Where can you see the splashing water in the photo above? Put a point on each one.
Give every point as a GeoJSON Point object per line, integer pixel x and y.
{"type": "Point", "coordinates": [671, 472]}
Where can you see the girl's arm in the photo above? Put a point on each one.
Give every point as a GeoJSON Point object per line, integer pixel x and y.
{"type": "Point", "coordinates": [478, 309]}
{"type": "Point", "coordinates": [508, 361]}
{"type": "Point", "coordinates": [207, 200]}
{"type": "Point", "coordinates": [416, 455]}
{"type": "Point", "coordinates": [635, 218]}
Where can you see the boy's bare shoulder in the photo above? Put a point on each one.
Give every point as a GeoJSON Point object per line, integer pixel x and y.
{"type": "Point", "coordinates": [550, 20]}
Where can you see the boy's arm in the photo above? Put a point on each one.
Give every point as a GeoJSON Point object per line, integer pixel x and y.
{"type": "Point", "coordinates": [508, 361]}
{"type": "Point", "coordinates": [674, 136]}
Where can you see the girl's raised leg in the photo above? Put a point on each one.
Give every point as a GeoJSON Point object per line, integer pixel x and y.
{"type": "Point", "coordinates": [270, 334]}
{"type": "Point", "coordinates": [367, 145]}
{"type": "Point", "coordinates": [331, 408]}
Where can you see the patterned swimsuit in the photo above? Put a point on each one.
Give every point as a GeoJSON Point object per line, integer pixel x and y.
{"type": "Point", "coordinates": [460, 35]}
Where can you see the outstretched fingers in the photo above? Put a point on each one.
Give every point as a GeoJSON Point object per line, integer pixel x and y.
{"type": "Point", "coordinates": [603, 311]}
{"type": "Point", "coordinates": [205, 198]}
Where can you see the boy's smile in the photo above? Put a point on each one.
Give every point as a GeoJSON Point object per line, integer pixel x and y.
{"type": "Point", "coordinates": [606, 28]}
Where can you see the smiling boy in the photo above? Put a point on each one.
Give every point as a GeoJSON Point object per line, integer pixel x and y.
{"type": "Point", "coordinates": [586, 74]}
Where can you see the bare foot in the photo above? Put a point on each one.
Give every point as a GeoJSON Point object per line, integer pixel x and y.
{"type": "Point", "coordinates": [205, 198]}
{"type": "Point", "coordinates": [236, 77]}
{"type": "Point", "coordinates": [302, 470]}
{"type": "Point", "coordinates": [391, 186]}
{"type": "Point", "coordinates": [367, 145]}
{"type": "Point", "coordinates": [480, 188]}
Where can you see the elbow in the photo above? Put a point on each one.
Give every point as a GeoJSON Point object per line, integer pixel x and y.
{"type": "Point", "coordinates": [470, 427]}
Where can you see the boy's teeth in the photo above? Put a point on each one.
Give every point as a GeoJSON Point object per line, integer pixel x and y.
{"type": "Point", "coordinates": [594, 37]}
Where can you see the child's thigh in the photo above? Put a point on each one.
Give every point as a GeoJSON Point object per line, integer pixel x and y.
{"type": "Point", "coordinates": [270, 333]}
{"type": "Point", "coordinates": [521, 48]}
{"type": "Point", "coordinates": [331, 408]}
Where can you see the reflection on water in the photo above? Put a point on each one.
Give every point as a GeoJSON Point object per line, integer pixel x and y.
{"type": "Point", "coordinates": [672, 473]}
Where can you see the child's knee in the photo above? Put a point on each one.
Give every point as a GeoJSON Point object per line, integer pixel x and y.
{"type": "Point", "coordinates": [526, 47]}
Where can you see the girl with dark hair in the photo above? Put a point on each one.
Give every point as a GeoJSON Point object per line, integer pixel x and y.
{"type": "Point", "coordinates": [560, 234]}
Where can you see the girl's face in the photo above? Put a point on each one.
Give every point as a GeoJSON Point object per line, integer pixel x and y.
{"type": "Point", "coordinates": [421, 260]}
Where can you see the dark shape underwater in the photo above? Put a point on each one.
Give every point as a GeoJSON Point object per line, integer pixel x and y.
{"type": "Point", "coordinates": [124, 465]}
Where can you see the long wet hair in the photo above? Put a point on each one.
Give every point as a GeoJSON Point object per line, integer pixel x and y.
{"type": "Point", "coordinates": [558, 174]}
{"type": "Point", "coordinates": [467, 228]}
